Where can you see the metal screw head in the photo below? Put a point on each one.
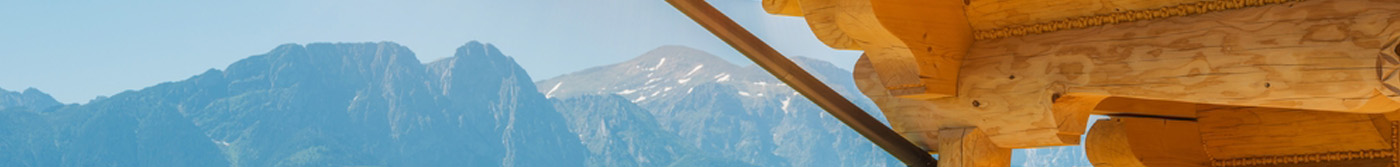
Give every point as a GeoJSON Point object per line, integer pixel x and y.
{"type": "Point", "coordinates": [976, 103]}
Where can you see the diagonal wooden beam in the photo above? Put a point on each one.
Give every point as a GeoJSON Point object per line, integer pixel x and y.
{"type": "Point", "coordinates": [787, 71]}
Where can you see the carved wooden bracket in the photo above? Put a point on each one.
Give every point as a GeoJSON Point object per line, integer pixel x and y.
{"type": "Point", "coordinates": [915, 45]}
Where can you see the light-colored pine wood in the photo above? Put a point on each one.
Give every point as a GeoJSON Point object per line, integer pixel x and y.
{"type": "Point", "coordinates": [1135, 141]}
{"type": "Point", "coordinates": [918, 128]}
{"type": "Point", "coordinates": [852, 24]}
{"type": "Point", "coordinates": [1248, 57]}
{"type": "Point", "coordinates": [782, 7]}
{"type": "Point", "coordinates": [1242, 136]}
{"type": "Point", "coordinates": [992, 14]}
{"type": "Point", "coordinates": [826, 19]}
{"type": "Point", "coordinates": [1241, 132]}
{"type": "Point", "coordinates": [1007, 124]}
{"type": "Point", "coordinates": [916, 45]}
{"type": "Point", "coordinates": [1145, 107]}
{"type": "Point", "coordinates": [1162, 142]}
{"type": "Point", "coordinates": [938, 35]}
{"type": "Point", "coordinates": [969, 147]}
{"type": "Point", "coordinates": [1071, 114]}
{"type": "Point", "coordinates": [1107, 145]}
{"type": "Point", "coordinates": [1167, 81]}
{"type": "Point", "coordinates": [1329, 55]}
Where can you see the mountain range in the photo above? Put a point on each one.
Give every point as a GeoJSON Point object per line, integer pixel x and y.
{"type": "Point", "coordinates": [321, 104]}
{"type": "Point", "coordinates": [376, 104]}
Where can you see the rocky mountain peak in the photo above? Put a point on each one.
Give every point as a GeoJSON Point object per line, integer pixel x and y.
{"type": "Point", "coordinates": [477, 63]}
{"type": "Point", "coordinates": [31, 98]}
{"type": "Point", "coordinates": [722, 109]}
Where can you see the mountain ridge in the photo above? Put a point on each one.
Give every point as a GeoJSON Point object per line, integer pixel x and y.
{"type": "Point", "coordinates": [319, 104]}
{"type": "Point", "coordinates": [29, 97]}
{"type": "Point", "coordinates": [375, 104]}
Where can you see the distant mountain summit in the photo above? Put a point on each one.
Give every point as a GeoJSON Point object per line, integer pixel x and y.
{"type": "Point", "coordinates": [661, 73]}
{"type": "Point", "coordinates": [670, 71]}
{"type": "Point", "coordinates": [31, 98]}
{"type": "Point", "coordinates": [720, 109]}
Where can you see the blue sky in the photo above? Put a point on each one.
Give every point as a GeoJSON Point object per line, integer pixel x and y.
{"type": "Point", "coordinates": [79, 49]}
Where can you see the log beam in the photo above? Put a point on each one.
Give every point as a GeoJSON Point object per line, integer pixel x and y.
{"type": "Point", "coordinates": [916, 46]}
{"type": "Point", "coordinates": [1328, 55]}
{"type": "Point", "coordinates": [969, 147]}
{"type": "Point", "coordinates": [1136, 141]}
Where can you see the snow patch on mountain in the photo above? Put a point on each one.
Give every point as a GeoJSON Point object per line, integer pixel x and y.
{"type": "Point", "coordinates": [693, 70]}
{"type": "Point", "coordinates": [546, 95]}
{"type": "Point", "coordinates": [722, 77]}
{"type": "Point", "coordinates": [629, 91]}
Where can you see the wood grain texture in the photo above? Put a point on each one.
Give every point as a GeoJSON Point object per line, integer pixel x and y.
{"type": "Point", "coordinates": [1107, 145]}
{"type": "Point", "coordinates": [1316, 55]}
{"type": "Point", "coordinates": [1163, 142]}
{"type": "Point", "coordinates": [782, 7]}
{"type": "Point", "coordinates": [1241, 132]}
{"type": "Point", "coordinates": [1006, 124]}
{"type": "Point", "coordinates": [852, 24]}
{"type": "Point", "coordinates": [1145, 107]}
{"type": "Point", "coordinates": [936, 32]}
{"type": "Point", "coordinates": [1326, 55]}
{"type": "Point", "coordinates": [1361, 162]}
{"type": "Point", "coordinates": [1119, 16]}
{"type": "Point", "coordinates": [1071, 114]}
{"type": "Point", "coordinates": [992, 14]}
{"type": "Point", "coordinates": [969, 147]}
{"type": "Point", "coordinates": [1243, 136]}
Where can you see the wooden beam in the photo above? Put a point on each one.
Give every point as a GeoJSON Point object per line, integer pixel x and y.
{"type": "Point", "coordinates": [1071, 112]}
{"type": "Point", "coordinates": [993, 14]}
{"type": "Point", "coordinates": [1146, 142]}
{"type": "Point", "coordinates": [801, 81]}
{"type": "Point", "coordinates": [1122, 106]}
{"type": "Point", "coordinates": [938, 35]}
{"type": "Point", "coordinates": [1329, 55]}
{"type": "Point", "coordinates": [1010, 125]}
{"type": "Point", "coordinates": [1316, 55]}
{"type": "Point", "coordinates": [1245, 132]}
{"type": "Point", "coordinates": [1107, 145]}
{"type": "Point", "coordinates": [1243, 136]}
{"type": "Point", "coordinates": [852, 24]}
{"type": "Point", "coordinates": [917, 46]}
{"type": "Point", "coordinates": [969, 147]}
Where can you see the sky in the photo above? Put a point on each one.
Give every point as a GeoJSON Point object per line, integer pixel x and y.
{"type": "Point", "coordinates": [77, 50]}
